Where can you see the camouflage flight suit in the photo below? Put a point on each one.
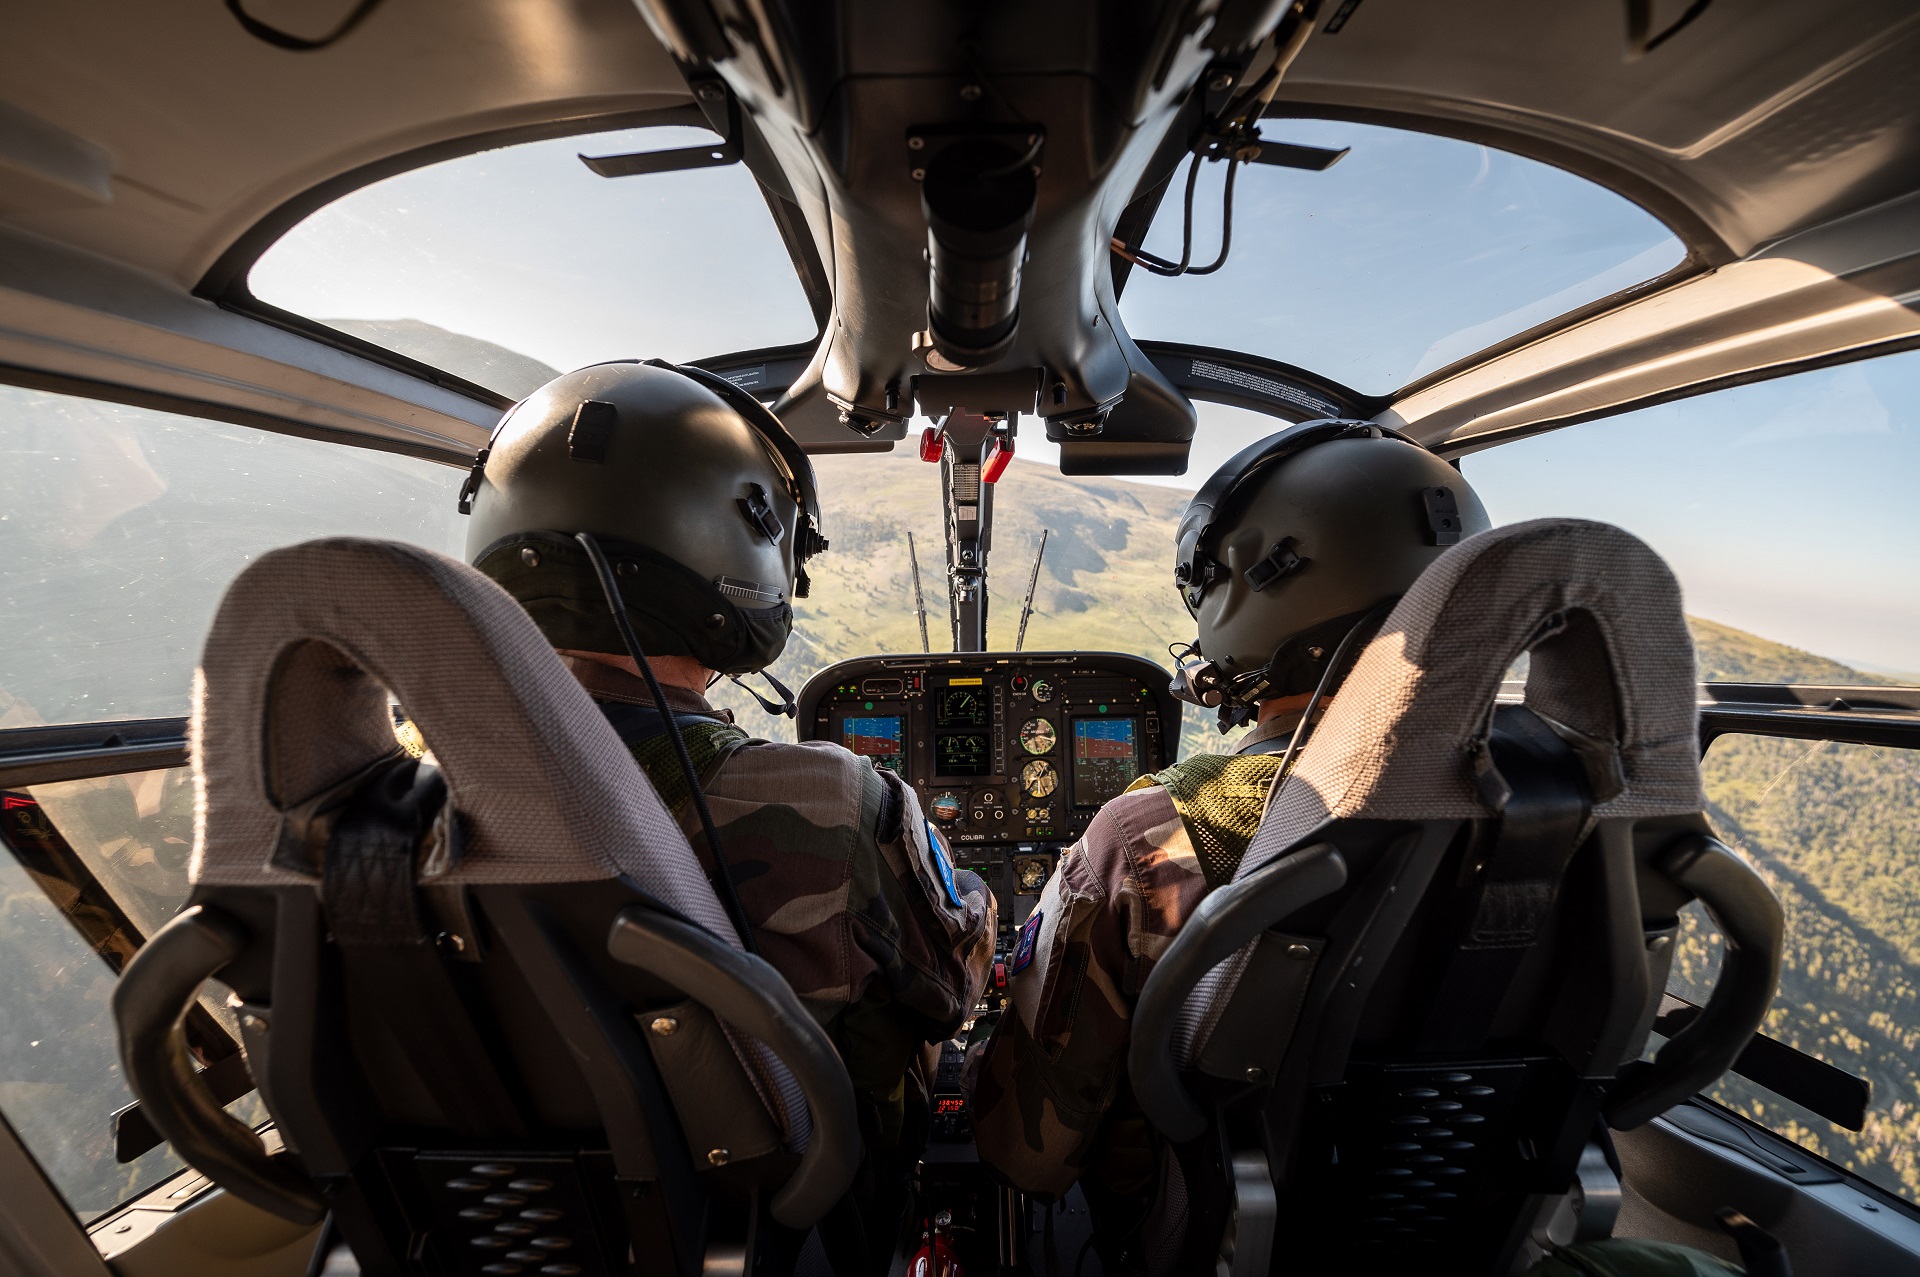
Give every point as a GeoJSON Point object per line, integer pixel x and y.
{"type": "Point", "coordinates": [849, 895]}
{"type": "Point", "coordinates": [1050, 1098]}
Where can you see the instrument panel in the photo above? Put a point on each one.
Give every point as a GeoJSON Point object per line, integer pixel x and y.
{"type": "Point", "coordinates": [1011, 753]}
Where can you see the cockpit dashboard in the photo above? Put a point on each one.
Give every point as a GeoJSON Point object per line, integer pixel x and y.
{"type": "Point", "coordinates": [1010, 753]}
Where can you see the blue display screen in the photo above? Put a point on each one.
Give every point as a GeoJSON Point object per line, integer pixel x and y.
{"type": "Point", "coordinates": [1106, 758]}
{"type": "Point", "coordinates": [880, 737]}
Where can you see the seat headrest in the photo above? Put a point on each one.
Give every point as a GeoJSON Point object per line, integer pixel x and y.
{"type": "Point", "coordinates": [291, 698]}
{"type": "Point", "coordinates": [1611, 662]}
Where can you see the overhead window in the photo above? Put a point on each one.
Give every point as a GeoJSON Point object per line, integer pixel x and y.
{"type": "Point", "coordinates": [1411, 252]}
{"type": "Point", "coordinates": [120, 528]}
{"type": "Point", "coordinates": [509, 266]}
{"type": "Point", "coordinates": [1785, 508]}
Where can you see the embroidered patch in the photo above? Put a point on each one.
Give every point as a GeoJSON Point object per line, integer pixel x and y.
{"type": "Point", "coordinates": [1023, 952]}
{"type": "Point", "coordinates": [944, 866]}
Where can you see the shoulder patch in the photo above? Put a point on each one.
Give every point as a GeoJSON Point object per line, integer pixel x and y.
{"type": "Point", "coordinates": [1023, 951]}
{"type": "Point", "coordinates": [943, 866]}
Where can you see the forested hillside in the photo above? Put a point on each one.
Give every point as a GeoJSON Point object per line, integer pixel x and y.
{"type": "Point", "coordinates": [1835, 828]}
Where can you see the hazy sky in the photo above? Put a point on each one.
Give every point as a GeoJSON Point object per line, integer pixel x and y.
{"type": "Point", "coordinates": [1783, 505]}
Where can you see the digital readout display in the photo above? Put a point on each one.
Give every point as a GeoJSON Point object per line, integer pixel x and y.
{"type": "Point", "coordinates": [1106, 758]}
{"type": "Point", "coordinates": [881, 737]}
{"type": "Point", "coordinates": [962, 754]}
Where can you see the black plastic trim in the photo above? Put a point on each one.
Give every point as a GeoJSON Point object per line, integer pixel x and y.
{"type": "Point", "coordinates": [1788, 1072]}
{"type": "Point", "coordinates": [1863, 715]}
{"type": "Point", "coordinates": [765, 373]}
{"type": "Point", "coordinates": [44, 755]}
{"type": "Point", "coordinates": [1257, 384]}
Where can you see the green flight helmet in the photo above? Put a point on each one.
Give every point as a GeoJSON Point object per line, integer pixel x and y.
{"type": "Point", "coordinates": [1294, 542]}
{"type": "Point", "coordinates": [702, 502]}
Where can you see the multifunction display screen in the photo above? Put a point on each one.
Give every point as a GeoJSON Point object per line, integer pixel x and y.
{"type": "Point", "coordinates": [961, 703]}
{"type": "Point", "coordinates": [963, 754]}
{"type": "Point", "coordinates": [1106, 758]}
{"type": "Point", "coordinates": [881, 737]}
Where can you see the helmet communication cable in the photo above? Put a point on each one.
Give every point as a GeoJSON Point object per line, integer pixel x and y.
{"type": "Point", "coordinates": [722, 876]}
{"type": "Point", "coordinates": [1367, 625]}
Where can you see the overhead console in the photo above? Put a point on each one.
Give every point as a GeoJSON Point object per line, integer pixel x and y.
{"type": "Point", "coordinates": [1011, 753]}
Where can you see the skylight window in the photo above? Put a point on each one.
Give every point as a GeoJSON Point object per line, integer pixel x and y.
{"type": "Point", "coordinates": [1410, 253]}
{"type": "Point", "coordinates": [509, 266]}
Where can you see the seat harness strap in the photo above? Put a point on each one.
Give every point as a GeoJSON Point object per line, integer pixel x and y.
{"type": "Point", "coordinates": [1512, 876]}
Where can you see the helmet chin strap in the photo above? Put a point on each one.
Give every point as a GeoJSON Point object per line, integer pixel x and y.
{"type": "Point", "coordinates": [785, 705]}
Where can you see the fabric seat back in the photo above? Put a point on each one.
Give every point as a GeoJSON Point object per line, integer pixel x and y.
{"type": "Point", "coordinates": [432, 1006]}
{"type": "Point", "coordinates": [1446, 944]}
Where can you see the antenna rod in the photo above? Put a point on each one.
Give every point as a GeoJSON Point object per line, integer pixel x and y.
{"type": "Point", "coordinates": [919, 600]}
{"type": "Point", "coordinates": [1033, 583]}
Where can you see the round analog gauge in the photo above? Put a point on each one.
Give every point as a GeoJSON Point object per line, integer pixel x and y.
{"type": "Point", "coordinates": [945, 808]}
{"type": "Point", "coordinates": [1037, 736]}
{"type": "Point", "coordinates": [1039, 779]}
{"type": "Point", "coordinates": [1042, 690]}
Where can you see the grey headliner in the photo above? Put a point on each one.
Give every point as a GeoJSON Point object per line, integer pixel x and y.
{"type": "Point", "coordinates": [1777, 137]}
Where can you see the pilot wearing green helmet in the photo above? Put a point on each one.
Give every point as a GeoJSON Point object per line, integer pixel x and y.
{"type": "Point", "coordinates": [685, 500]}
{"type": "Point", "coordinates": [1288, 559]}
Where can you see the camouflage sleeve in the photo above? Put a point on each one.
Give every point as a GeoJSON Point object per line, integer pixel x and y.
{"type": "Point", "coordinates": [927, 926]}
{"type": "Point", "coordinates": [1050, 1072]}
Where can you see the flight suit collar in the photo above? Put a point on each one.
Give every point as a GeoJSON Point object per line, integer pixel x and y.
{"type": "Point", "coordinates": [611, 683]}
{"type": "Point", "coordinates": [1269, 737]}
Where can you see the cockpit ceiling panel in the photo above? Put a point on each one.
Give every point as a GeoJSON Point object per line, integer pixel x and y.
{"type": "Point", "coordinates": [209, 129]}
{"type": "Point", "coordinates": [1760, 117]}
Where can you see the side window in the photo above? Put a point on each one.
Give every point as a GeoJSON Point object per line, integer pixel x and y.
{"type": "Point", "coordinates": [120, 529]}
{"type": "Point", "coordinates": [63, 938]}
{"type": "Point", "coordinates": [1825, 594]}
{"type": "Point", "coordinates": [1835, 829]}
{"type": "Point", "coordinates": [1784, 507]}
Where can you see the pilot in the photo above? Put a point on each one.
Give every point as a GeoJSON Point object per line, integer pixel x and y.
{"type": "Point", "coordinates": [1296, 545]}
{"type": "Point", "coordinates": [704, 509]}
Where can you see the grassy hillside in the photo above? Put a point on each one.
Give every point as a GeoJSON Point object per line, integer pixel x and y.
{"type": "Point", "coordinates": [1727, 655]}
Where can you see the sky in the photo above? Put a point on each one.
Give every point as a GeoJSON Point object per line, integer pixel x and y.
{"type": "Point", "coordinates": [1783, 505]}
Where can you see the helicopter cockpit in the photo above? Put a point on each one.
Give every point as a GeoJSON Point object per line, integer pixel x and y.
{"type": "Point", "coordinates": [1017, 281]}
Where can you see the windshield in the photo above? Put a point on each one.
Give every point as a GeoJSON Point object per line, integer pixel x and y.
{"type": "Point", "coordinates": [1105, 583]}
{"type": "Point", "coordinates": [510, 266]}
{"type": "Point", "coordinates": [1410, 253]}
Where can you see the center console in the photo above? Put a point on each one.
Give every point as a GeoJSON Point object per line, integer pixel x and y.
{"type": "Point", "coordinates": [1011, 753]}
